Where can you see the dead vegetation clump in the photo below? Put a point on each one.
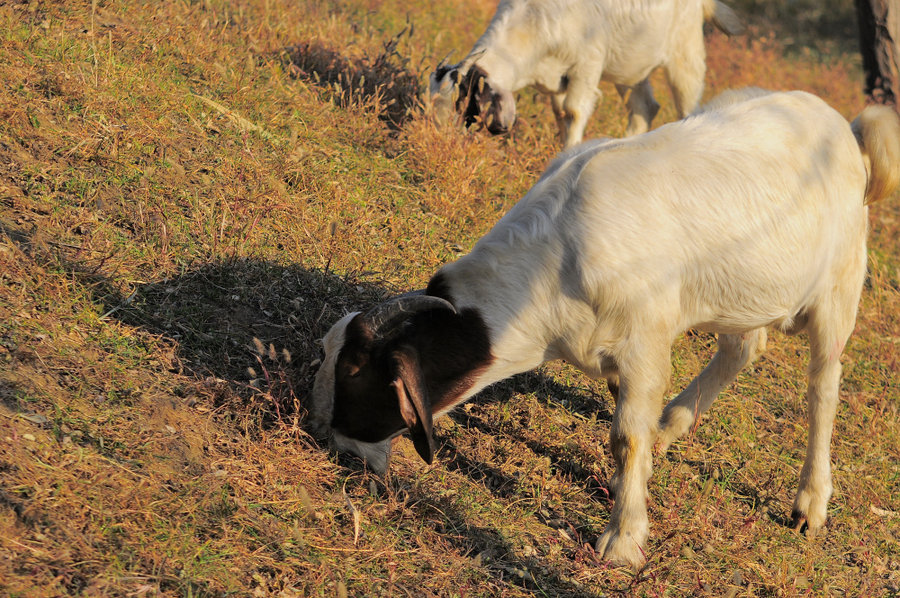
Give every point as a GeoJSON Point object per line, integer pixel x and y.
{"type": "Point", "coordinates": [383, 83]}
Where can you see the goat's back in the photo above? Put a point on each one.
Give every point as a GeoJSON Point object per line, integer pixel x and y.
{"type": "Point", "coordinates": [625, 39]}
{"type": "Point", "coordinates": [739, 214]}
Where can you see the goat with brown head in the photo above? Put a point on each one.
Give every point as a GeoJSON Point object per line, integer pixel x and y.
{"type": "Point", "coordinates": [387, 371]}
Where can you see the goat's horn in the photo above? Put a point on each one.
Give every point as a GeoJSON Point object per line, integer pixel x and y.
{"type": "Point", "coordinates": [384, 317]}
{"type": "Point", "coordinates": [469, 60]}
{"type": "Point", "coordinates": [446, 59]}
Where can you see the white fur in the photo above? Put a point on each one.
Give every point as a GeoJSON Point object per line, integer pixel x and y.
{"type": "Point", "coordinates": [541, 42]}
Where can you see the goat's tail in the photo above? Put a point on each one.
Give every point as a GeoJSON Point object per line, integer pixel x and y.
{"type": "Point", "coordinates": [722, 17]}
{"type": "Point", "coordinates": [877, 130]}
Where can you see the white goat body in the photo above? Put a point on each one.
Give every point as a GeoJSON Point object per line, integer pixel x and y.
{"type": "Point", "coordinates": [748, 214]}
{"type": "Point", "coordinates": [565, 47]}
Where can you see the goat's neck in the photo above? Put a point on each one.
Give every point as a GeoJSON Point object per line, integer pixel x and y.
{"type": "Point", "coordinates": [467, 351]}
{"type": "Point", "coordinates": [454, 352]}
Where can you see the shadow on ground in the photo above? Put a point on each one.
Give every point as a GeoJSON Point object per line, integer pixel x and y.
{"type": "Point", "coordinates": [213, 313]}
{"type": "Point", "coordinates": [488, 547]}
{"type": "Point", "coordinates": [225, 316]}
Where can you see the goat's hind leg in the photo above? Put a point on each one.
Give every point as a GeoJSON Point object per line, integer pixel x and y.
{"type": "Point", "coordinates": [685, 73]}
{"type": "Point", "coordinates": [642, 106]}
{"type": "Point", "coordinates": [829, 327]}
{"type": "Point", "coordinates": [682, 412]}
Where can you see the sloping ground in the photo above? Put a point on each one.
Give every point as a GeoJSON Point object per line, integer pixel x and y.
{"type": "Point", "coordinates": [188, 200]}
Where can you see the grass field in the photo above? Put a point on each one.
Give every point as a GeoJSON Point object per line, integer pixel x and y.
{"type": "Point", "coordinates": [192, 192]}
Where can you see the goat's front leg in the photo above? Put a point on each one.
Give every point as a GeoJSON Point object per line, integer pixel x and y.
{"type": "Point", "coordinates": [558, 103]}
{"type": "Point", "coordinates": [633, 431]}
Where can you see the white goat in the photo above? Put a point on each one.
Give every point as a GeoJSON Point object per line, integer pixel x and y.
{"type": "Point", "coordinates": [565, 47]}
{"type": "Point", "coordinates": [751, 213]}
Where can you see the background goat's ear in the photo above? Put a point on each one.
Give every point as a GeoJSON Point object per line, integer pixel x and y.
{"type": "Point", "coordinates": [413, 401]}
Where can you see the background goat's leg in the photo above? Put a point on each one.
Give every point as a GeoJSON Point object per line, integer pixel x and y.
{"type": "Point", "coordinates": [685, 73]}
{"type": "Point", "coordinates": [642, 106]}
{"type": "Point", "coordinates": [581, 99]}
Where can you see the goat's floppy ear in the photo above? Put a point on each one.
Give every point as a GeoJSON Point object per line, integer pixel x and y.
{"type": "Point", "coordinates": [412, 399]}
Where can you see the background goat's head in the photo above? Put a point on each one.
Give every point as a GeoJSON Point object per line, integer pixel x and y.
{"type": "Point", "coordinates": [369, 387]}
{"type": "Point", "coordinates": [467, 90]}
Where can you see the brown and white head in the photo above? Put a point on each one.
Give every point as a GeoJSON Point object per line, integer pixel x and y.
{"type": "Point", "coordinates": [466, 89]}
{"type": "Point", "coordinates": [370, 386]}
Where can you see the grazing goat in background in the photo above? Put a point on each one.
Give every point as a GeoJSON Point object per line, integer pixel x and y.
{"type": "Point", "coordinates": [750, 213]}
{"type": "Point", "coordinates": [565, 47]}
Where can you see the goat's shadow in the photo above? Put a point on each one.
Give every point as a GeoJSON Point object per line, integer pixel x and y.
{"type": "Point", "coordinates": [493, 551]}
{"type": "Point", "coordinates": [552, 394]}
{"type": "Point", "coordinates": [232, 319]}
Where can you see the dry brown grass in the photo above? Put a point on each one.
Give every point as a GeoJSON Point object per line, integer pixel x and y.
{"type": "Point", "coordinates": [183, 214]}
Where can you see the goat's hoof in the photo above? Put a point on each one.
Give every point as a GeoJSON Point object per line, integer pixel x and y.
{"type": "Point", "coordinates": [662, 446]}
{"type": "Point", "coordinates": [800, 523]}
{"type": "Point", "coordinates": [620, 549]}
{"type": "Point", "coordinates": [676, 422]}
{"type": "Point", "coordinates": [810, 510]}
